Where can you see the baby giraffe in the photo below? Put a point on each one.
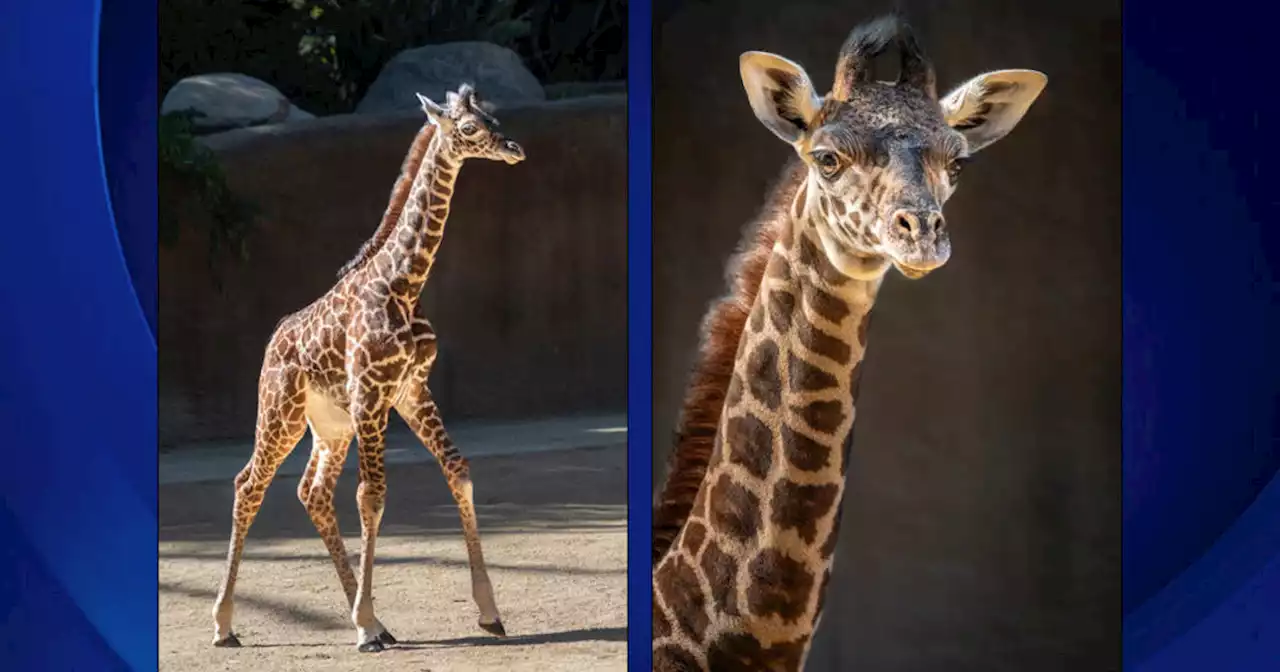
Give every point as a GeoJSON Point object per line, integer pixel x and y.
{"type": "Point", "coordinates": [745, 528]}
{"type": "Point", "coordinates": [363, 348]}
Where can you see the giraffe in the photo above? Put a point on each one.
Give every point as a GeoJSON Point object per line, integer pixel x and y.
{"type": "Point", "coordinates": [342, 363]}
{"type": "Point", "coordinates": [746, 525]}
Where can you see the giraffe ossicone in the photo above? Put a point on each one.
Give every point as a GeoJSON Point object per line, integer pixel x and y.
{"type": "Point", "coordinates": [340, 365]}
{"type": "Point", "coordinates": [746, 524]}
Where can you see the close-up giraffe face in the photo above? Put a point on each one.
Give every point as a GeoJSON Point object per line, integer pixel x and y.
{"type": "Point", "coordinates": [469, 128]}
{"type": "Point", "coordinates": [883, 157]}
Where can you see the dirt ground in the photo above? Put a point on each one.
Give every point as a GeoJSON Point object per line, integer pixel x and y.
{"type": "Point", "coordinates": [553, 526]}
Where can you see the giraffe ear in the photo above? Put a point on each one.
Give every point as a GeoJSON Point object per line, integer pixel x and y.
{"type": "Point", "coordinates": [780, 93]}
{"type": "Point", "coordinates": [988, 106]}
{"type": "Point", "coordinates": [433, 110]}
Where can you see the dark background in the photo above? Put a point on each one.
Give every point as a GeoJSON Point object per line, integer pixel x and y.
{"type": "Point", "coordinates": [983, 514]}
{"type": "Point", "coordinates": [324, 54]}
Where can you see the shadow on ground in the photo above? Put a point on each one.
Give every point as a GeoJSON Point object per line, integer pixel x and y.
{"type": "Point", "coordinates": [586, 490]}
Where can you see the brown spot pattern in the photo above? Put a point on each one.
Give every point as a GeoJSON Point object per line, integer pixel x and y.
{"type": "Point", "coordinates": [735, 651]}
{"type": "Point", "coordinates": [804, 452]}
{"type": "Point", "coordinates": [862, 329]}
{"type": "Point", "coordinates": [782, 305]}
{"type": "Point", "coordinates": [694, 534]}
{"type": "Point", "coordinates": [679, 585]}
{"type": "Point", "coordinates": [800, 507]}
{"type": "Point", "coordinates": [779, 585]}
{"type": "Point", "coordinates": [823, 416]}
{"type": "Point", "coordinates": [809, 255]}
{"type": "Point", "coordinates": [734, 510]}
{"type": "Point", "coordinates": [762, 375]}
{"type": "Point", "coordinates": [722, 573]}
{"type": "Point", "coordinates": [831, 308]}
{"type": "Point", "coordinates": [822, 343]}
{"type": "Point", "coordinates": [669, 658]}
{"type": "Point", "coordinates": [805, 377]}
{"type": "Point", "coordinates": [750, 444]}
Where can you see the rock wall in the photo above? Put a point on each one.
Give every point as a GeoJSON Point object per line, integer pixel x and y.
{"type": "Point", "coordinates": [982, 520]}
{"type": "Point", "coordinates": [529, 295]}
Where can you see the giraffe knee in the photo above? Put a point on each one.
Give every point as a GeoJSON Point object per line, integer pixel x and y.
{"type": "Point", "coordinates": [371, 493]}
{"type": "Point", "coordinates": [304, 491]}
{"type": "Point", "coordinates": [242, 478]}
{"type": "Point", "coordinates": [459, 469]}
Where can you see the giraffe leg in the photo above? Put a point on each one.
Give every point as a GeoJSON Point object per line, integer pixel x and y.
{"type": "Point", "coordinates": [371, 497]}
{"type": "Point", "coordinates": [315, 491]}
{"type": "Point", "coordinates": [420, 412]}
{"type": "Point", "coordinates": [281, 401]}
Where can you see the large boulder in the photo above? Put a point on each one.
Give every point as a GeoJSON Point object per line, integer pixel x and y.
{"type": "Point", "coordinates": [497, 72]}
{"type": "Point", "coordinates": [228, 100]}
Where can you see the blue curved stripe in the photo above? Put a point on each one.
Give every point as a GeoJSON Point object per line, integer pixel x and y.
{"type": "Point", "coordinates": [126, 72]}
{"type": "Point", "coordinates": [1223, 608]}
{"type": "Point", "coordinates": [125, 117]}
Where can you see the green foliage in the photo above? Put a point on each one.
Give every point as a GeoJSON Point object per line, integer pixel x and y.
{"type": "Point", "coordinates": [324, 54]}
{"type": "Point", "coordinates": [186, 164]}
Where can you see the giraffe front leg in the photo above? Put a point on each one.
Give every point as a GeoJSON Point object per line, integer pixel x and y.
{"type": "Point", "coordinates": [371, 497]}
{"type": "Point", "coordinates": [422, 415]}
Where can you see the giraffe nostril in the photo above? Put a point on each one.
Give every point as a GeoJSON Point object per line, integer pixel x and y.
{"type": "Point", "coordinates": [903, 222]}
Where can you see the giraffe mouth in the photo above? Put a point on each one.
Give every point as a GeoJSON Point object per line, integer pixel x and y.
{"type": "Point", "coordinates": [915, 271]}
{"type": "Point", "coordinates": [917, 260]}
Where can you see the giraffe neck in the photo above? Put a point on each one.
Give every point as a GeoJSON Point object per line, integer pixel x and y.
{"type": "Point", "coordinates": [410, 251]}
{"type": "Point", "coordinates": [760, 540]}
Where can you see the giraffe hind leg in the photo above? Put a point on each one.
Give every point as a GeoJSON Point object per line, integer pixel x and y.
{"type": "Point", "coordinates": [280, 427]}
{"type": "Point", "coordinates": [331, 434]}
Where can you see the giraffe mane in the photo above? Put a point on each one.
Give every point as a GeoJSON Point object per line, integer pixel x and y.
{"type": "Point", "coordinates": [399, 195]}
{"type": "Point", "coordinates": [721, 332]}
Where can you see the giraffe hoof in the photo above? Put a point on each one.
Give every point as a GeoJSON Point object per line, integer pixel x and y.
{"type": "Point", "coordinates": [494, 628]}
{"type": "Point", "coordinates": [387, 639]}
{"type": "Point", "coordinates": [228, 642]}
{"type": "Point", "coordinates": [371, 646]}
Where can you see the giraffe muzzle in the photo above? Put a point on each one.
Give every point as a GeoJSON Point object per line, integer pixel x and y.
{"type": "Point", "coordinates": [511, 152]}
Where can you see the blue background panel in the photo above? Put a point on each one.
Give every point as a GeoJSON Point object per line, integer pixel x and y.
{"type": "Point", "coordinates": [77, 285]}
{"type": "Point", "coordinates": [77, 378]}
{"type": "Point", "coordinates": [1202, 340]}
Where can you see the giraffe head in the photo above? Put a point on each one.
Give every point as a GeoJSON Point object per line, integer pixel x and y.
{"type": "Point", "coordinates": [883, 157]}
{"type": "Point", "coordinates": [469, 129]}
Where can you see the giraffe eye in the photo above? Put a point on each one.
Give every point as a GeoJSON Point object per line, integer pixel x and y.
{"type": "Point", "coordinates": [828, 163]}
{"type": "Point", "coordinates": [469, 129]}
{"type": "Point", "coordinates": [956, 167]}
